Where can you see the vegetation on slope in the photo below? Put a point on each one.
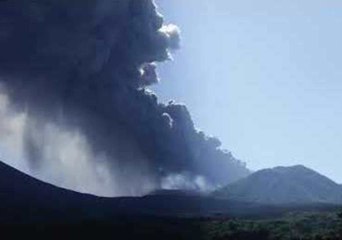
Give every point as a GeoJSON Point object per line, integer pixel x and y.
{"type": "Point", "coordinates": [294, 226]}
{"type": "Point", "coordinates": [303, 226]}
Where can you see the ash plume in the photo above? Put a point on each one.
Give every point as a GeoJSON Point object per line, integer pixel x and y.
{"type": "Point", "coordinates": [74, 78]}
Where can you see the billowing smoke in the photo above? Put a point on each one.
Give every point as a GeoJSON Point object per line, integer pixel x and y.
{"type": "Point", "coordinates": [74, 105]}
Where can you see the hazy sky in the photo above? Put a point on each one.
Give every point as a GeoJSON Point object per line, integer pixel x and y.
{"type": "Point", "coordinates": [264, 76]}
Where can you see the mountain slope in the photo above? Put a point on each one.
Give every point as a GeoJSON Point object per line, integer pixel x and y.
{"type": "Point", "coordinates": [284, 185]}
{"type": "Point", "coordinates": [26, 200]}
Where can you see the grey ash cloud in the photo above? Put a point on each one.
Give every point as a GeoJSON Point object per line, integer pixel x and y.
{"type": "Point", "coordinates": [78, 71]}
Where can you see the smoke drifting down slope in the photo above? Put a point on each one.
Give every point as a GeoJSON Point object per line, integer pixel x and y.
{"type": "Point", "coordinates": [74, 102]}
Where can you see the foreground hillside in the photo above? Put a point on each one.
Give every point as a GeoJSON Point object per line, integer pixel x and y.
{"type": "Point", "coordinates": [293, 226]}
{"type": "Point", "coordinates": [284, 185]}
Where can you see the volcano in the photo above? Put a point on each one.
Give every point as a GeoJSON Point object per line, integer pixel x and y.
{"type": "Point", "coordinates": [284, 185]}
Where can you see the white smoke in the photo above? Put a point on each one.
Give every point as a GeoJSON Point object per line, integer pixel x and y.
{"type": "Point", "coordinates": [11, 131]}
{"type": "Point", "coordinates": [172, 33]}
{"type": "Point", "coordinates": [69, 161]}
{"type": "Point", "coordinates": [185, 181]}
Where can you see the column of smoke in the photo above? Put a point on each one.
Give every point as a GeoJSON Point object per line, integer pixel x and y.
{"type": "Point", "coordinates": [74, 106]}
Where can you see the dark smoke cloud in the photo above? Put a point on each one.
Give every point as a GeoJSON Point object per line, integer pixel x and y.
{"type": "Point", "coordinates": [78, 71]}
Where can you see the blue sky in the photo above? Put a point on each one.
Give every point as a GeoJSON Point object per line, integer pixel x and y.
{"type": "Point", "coordinates": [264, 76]}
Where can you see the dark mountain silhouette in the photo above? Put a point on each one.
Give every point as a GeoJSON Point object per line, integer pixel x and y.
{"type": "Point", "coordinates": [26, 200]}
{"type": "Point", "coordinates": [284, 185]}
